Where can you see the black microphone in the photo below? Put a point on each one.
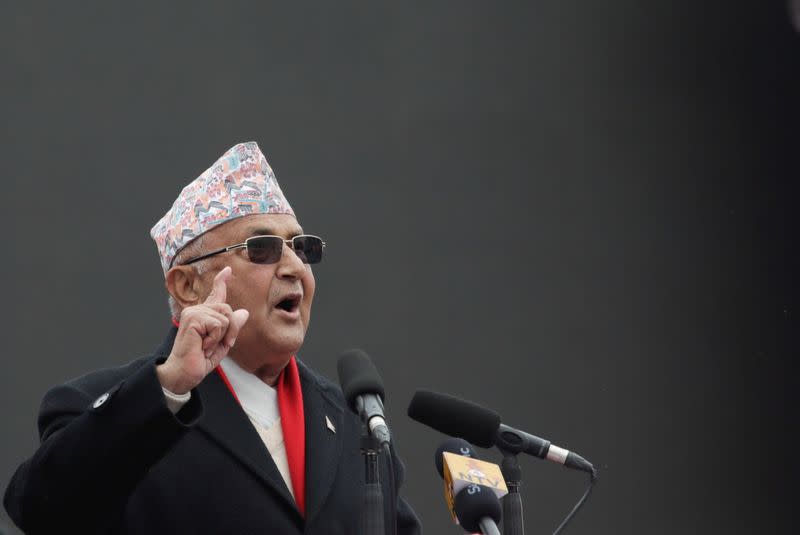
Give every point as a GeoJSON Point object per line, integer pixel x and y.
{"type": "Point", "coordinates": [478, 509]}
{"type": "Point", "coordinates": [363, 389]}
{"type": "Point", "coordinates": [459, 446]}
{"type": "Point", "coordinates": [481, 426]}
{"type": "Point", "coordinates": [475, 513]}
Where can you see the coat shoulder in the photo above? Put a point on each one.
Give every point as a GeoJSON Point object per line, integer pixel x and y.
{"type": "Point", "coordinates": [62, 403]}
{"type": "Point", "coordinates": [328, 388]}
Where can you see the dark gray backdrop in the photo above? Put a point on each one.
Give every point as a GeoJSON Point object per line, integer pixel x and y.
{"type": "Point", "coordinates": [578, 214]}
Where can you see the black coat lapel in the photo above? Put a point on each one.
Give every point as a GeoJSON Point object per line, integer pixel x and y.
{"type": "Point", "coordinates": [226, 422]}
{"type": "Point", "coordinates": [323, 445]}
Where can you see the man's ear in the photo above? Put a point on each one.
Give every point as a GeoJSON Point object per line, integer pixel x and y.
{"type": "Point", "coordinates": [182, 285]}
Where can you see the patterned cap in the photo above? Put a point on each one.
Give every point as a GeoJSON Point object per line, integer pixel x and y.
{"type": "Point", "coordinates": [240, 183]}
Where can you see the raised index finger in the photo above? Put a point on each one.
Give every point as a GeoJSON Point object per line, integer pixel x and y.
{"type": "Point", "coordinates": [219, 290]}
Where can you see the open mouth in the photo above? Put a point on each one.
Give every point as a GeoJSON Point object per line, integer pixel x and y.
{"type": "Point", "coordinates": [289, 304]}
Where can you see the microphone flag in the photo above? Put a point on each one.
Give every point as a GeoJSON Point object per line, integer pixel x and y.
{"type": "Point", "coordinates": [460, 472]}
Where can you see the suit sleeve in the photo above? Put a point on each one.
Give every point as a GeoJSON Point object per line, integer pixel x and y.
{"type": "Point", "coordinates": [93, 453]}
{"type": "Point", "coordinates": [407, 521]}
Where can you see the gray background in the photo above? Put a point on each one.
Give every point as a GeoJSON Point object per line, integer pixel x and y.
{"type": "Point", "coordinates": [578, 214]}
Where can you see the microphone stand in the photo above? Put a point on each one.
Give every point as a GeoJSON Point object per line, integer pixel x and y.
{"type": "Point", "coordinates": [372, 513]}
{"type": "Point", "coordinates": [513, 523]}
{"type": "Point", "coordinates": [488, 527]}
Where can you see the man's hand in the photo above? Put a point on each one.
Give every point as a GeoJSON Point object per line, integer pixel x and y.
{"type": "Point", "coordinates": [206, 334]}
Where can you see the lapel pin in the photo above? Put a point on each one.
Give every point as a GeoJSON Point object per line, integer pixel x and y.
{"type": "Point", "coordinates": [330, 424]}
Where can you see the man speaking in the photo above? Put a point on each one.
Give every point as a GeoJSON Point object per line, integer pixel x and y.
{"type": "Point", "coordinates": [222, 429]}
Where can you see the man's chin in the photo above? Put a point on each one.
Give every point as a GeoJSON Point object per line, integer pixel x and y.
{"type": "Point", "coordinates": [288, 344]}
{"type": "Point", "coordinates": [269, 344]}
{"type": "Point", "coordinates": [270, 334]}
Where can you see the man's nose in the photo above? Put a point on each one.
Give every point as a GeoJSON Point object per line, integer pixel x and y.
{"type": "Point", "coordinates": [290, 265]}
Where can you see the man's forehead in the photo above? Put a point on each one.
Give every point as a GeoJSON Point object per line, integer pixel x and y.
{"type": "Point", "coordinates": [257, 224]}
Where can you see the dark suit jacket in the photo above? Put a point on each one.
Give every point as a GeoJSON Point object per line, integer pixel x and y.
{"type": "Point", "coordinates": [123, 463]}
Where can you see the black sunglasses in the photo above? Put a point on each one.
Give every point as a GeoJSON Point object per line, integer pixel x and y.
{"type": "Point", "coordinates": [268, 249]}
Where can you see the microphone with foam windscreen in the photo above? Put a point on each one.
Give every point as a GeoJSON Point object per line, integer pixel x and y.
{"type": "Point", "coordinates": [481, 426]}
{"type": "Point", "coordinates": [363, 389]}
{"type": "Point", "coordinates": [478, 510]}
{"type": "Point", "coordinates": [459, 446]}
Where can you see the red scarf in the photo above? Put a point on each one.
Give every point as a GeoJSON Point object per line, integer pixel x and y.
{"type": "Point", "coordinates": [293, 424]}
{"type": "Point", "coordinates": [290, 406]}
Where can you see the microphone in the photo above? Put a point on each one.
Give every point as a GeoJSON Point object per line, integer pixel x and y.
{"type": "Point", "coordinates": [481, 426]}
{"type": "Point", "coordinates": [478, 509]}
{"type": "Point", "coordinates": [459, 446]}
{"type": "Point", "coordinates": [474, 513]}
{"type": "Point", "coordinates": [363, 389]}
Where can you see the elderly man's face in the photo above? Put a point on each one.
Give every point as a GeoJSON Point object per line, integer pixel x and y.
{"type": "Point", "coordinates": [278, 296]}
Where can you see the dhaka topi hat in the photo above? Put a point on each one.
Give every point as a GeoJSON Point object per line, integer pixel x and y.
{"type": "Point", "coordinates": [240, 183]}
